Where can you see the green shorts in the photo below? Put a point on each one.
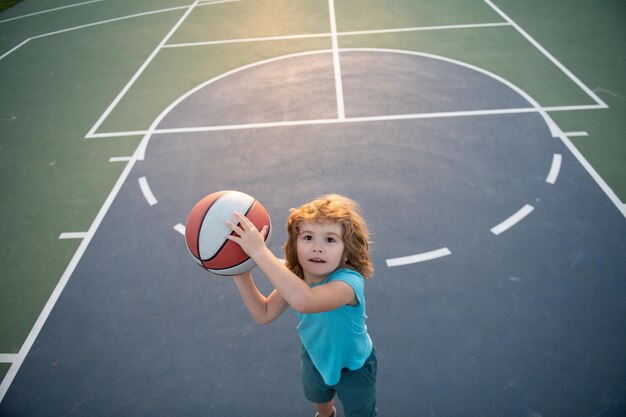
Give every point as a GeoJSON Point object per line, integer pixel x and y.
{"type": "Point", "coordinates": [356, 389]}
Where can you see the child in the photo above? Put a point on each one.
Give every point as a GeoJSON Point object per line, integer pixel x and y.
{"type": "Point", "coordinates": [326, 264]}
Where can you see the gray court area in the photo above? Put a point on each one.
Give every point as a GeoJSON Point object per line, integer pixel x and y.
{"type": "Point", "coordinates": [529, 322]}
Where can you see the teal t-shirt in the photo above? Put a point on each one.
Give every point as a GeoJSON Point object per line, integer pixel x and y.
{"type": "Point", "coordinates": [338, 338]}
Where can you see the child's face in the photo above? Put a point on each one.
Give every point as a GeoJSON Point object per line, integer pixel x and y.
{"type": "Point", "coordinates": [320, 249]}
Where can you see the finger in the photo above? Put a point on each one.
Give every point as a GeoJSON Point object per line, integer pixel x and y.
{"type": "Point", "coordinates": [264, 231]}
{"type": "Point", "coordinates": [240, 218]}
{"type": "Point", "coordinates": [234, 228]}
{"type": "Point", "coordinates": [246, 224]}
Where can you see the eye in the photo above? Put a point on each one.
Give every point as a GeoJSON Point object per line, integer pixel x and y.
{"type": "Point", "coordinates": [307, 237]}
{"type": "Point", "coordinates": [330, 240]}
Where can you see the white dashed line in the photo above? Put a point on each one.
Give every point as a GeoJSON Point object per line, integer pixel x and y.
{"type": "Point", "coordinates": [147, 192]}
{"type": "Point", "coordinates": [8, 357]}
{"type": "Point", "coordinates": [576, 134]}
{"type": "Point", "coordinates": [120, 159]}
{"type": "Point", "coordinates": [180, 229]}
{"type": "Point", "coordinates": [513, 220]}
{"type": "Point", "coordinates": [554, 169]}
{"type": "Point", "coordinates": [73, 235]}
{"type": "Point", "coordinates": [420, 257]}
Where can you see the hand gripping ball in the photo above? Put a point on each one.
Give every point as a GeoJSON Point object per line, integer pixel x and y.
{"type": "Point", "coordinates": [206, 230]}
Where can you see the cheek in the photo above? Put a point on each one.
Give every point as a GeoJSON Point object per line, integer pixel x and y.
{"type": "Point", "coordinates": [300, 250]}
{"type": "Point", "coordinates": [340, 254]}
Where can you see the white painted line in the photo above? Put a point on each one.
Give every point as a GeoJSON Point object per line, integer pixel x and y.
{"type": "Point", "coordinates": [120, 159]}
{"type": "Point", "coordinates": [180, 229]}
{"type": "Point", "coordinates": [245, 40]}
{"type": "Point", "coordinates": [319, 122]}
{"type": "Point", "coordinates": [58, 290]}
{"type": "Point", "coordinates": [209, 3]}
{"type": "Point", "coordinates": [513, 220]}
{"type": "Point", "coordinates": [554, 169]}
{"type": "Point", "coordinates": [91, 25]}
{"type": "Point", "coordinates": [594, 174]}
{"type": "Point", "coordinates": [56, 293]}
{"type": "Point", "coordinates": [50, 10]}
{"type": "Point", "coordinates": [73, 235]}
{"type": "Point", "coordinates": [346, 120]}
{"type": "Point", "coordinates": [555, 130]}
{"type": "Point", "coordinates": [535, 107]}
{"type": "Point", "coordinates": [422, 28]}
{"type": "Point", "coordinates": [570, 108]}
{"type": "Point", "coordinates": [437, 115]}
{"type": "Point", "coordinates": [548, 55]}
{"type": "Point", "coordinates": [421, 257]}
{"type": "Point", "coordinates": [117, 134]}
{"type": "Point", "coordinates": [141, 149]}
{"type": "Point", "coordinates": [8, 357]}
{"type": "Point", "coordinates": [328, 34]}
{"type": "Point", "coordinates": [103, 22]}
{"type": "Point", "coordinates": [140, 71]}
{"type": "Point", "coordinates": [15, 48]}
{"type": "Point", "coordinates": [576, 134]}
{"type": "Point", "coordinates": [341, 112]}
{"type": "Point", "coordinates": [147, 192]}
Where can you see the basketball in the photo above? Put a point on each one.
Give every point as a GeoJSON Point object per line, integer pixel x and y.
{"type": "Point", "coordinates": [206, 231]}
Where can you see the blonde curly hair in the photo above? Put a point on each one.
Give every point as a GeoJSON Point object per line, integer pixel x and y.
{"type": "Point", "coordinates": [332, 208]}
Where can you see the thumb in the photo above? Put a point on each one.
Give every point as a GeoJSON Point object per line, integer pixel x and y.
{"type": "Point", "coordinates": [265, 231]}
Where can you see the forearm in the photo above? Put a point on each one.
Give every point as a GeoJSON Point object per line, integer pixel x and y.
{"type": "Point", "coordinates": [255, 302]}
{"type": "Point", "coordinates": [293, 289]}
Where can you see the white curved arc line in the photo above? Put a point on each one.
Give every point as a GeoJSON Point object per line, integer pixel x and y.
{"type": "Point", "coordinates": [147, 192]}
{"type": "Point", "coordinates": [513, 220]}
{"type": "Point", "coordinates": [141, 149]}
{"type": "Point", "coordinates": [554, 130]}
{"type": "Point", "coordinates": [555, 168]}
{"type": "Point", "coordinates": [420, 257]}
{"type": "Point", "coordinates": [140, 153]}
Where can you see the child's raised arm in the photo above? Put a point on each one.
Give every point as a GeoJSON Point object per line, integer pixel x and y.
{"type": "Point", "coordinates": [292, 289]}
{"type": "Point", "coordinates": [263, 309]}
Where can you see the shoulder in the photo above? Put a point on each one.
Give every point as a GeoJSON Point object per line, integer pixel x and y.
{"type": "Point", "coordinates": [352, 278]}
{"type": "Point", "coordinates": [349, 276]}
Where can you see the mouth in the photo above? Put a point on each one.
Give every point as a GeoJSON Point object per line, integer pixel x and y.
{"type": "Point", "coordinates": [317, 260]}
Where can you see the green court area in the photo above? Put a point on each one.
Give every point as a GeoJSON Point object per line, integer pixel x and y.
{"type": "Point", "coordinates": [7, 3]}
{"type": "Point", "coordinates": [68, 67]}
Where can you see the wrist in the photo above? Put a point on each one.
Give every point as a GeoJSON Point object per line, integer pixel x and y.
{"type": "Point", "coordinates": [259, 252]}
{"type": "Point", "coordinates": [242, 278]}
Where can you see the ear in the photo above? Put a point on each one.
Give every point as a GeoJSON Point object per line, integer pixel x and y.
{"type": "Point", "coordinates": [344, 258]}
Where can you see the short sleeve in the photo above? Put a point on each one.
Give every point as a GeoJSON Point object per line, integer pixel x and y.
{"type": "Point", "coordinates": [352, 278]}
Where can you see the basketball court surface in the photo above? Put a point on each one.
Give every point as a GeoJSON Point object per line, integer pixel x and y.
{"type": "Point", "coordinates": [498, 230]}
